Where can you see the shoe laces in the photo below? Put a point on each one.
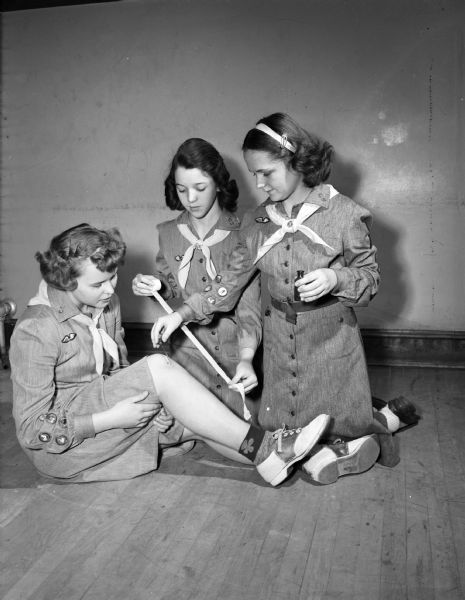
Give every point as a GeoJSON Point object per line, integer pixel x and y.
{"type": "Point", "coordinates": [284, 432]}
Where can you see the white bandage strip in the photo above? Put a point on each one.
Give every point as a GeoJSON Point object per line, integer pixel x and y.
{"type": "Point", "coordinates": [238, 387]}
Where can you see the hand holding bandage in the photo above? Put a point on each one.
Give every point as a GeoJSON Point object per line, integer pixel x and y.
{"type": "Point", "coordinates": [142, 285]}
{"type": "Point", "coordinates": [165, 326]}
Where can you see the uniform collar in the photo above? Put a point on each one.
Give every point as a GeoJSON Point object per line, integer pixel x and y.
{"type": "Point", "coordinates": [61, 303]}
{"type": "Point", "coordinates": [320, 195]}
{"type": "Point", "coordinates": [228, 221]}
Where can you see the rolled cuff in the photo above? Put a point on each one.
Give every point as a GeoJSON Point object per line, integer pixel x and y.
{"type": "Point", "coordinates": [186, 312]}
{"type": "Point", "coordinates": [83, 427]}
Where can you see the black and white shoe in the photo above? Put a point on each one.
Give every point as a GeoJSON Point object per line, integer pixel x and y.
{"type": "Point", "coordinates": [342, 458]}
{"type": "Point", "coordinates": [288, 447]}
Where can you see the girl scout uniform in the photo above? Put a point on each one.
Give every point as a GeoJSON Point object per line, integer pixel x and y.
{"type": "Point", "coordinates": [65, 367]}
{"type": "Point", "coordinates": [313, 355]}
{"type": "Point", "coordinates": [187, 265]}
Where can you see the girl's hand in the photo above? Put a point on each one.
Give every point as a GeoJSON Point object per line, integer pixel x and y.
{"type": "Point", "coordinates": [245, 374]}
{"type": "Point", "coordinates": [164, 327]}
{"type": "Point", "coordinates": [316, 284]}
{"type": "Point", "coordinates": [163, 420]}
{"type": "Point", "coordinates": [143, 285]}
{"type": "Point", "coordinates": [127, 413]}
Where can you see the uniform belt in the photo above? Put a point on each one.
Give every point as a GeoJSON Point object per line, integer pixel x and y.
{"type": "Point", "coordinates": [292, 309]}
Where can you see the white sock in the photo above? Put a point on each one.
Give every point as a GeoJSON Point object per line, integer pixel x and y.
{"type": "Point", "coordinates": [393, 421]}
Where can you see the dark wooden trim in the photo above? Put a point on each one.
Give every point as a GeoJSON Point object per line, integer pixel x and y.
{"type": "Point", "coordinates": [407, 348]}
{"type": "Point", "coordinates": [11, 5]}
{"type": "Point", "coordinates": [397, 347]}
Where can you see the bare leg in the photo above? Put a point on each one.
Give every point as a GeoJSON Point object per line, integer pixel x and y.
{"type": "Point", "coordinates": [203, 415]}
{"type": "Point", "coordinates": [195, 407]}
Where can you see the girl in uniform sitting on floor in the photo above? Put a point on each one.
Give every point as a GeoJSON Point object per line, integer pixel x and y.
{"type": "Point", "coordinates": [83, 413]}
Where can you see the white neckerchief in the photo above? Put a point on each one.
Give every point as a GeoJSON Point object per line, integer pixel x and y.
{"type": "Point", "coordinates": [289, 225]}
{"type": "Point", "coordinates": [101, 340]}
{"type": "Point", "coordinates": [196, 243]}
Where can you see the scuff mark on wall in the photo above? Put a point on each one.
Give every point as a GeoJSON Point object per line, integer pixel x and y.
{"type": "Point", "coordinates": [395, 134]}
{"type": "Point", "coordinates": [391, 135]}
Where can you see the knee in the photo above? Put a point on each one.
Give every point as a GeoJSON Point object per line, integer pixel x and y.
{"type": "Point", "coordinates": [160, 367]}
{"type": "Point", "coordinates": [158, 362]}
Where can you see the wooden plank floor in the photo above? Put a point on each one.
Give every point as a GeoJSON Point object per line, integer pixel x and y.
{"type": "Point", "coordinates": [205, 528]}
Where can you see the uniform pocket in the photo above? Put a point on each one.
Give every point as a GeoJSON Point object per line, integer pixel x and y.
{"type": "Point", "coordinates": [334, 331]}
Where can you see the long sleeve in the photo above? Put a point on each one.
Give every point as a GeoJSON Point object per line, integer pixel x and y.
{"type": "Point", "coordinates": [170, 288]}
{"type": "Point", "coordinates": [248, 315]}
{"type": "Point", "coordinates": [40, 423]}
{"type": "Point", "coordinates": [223, 295]}
{"type": "Point", "coordinates": [358, 273]}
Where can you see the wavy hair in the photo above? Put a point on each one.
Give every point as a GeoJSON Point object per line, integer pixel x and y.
{"type": "Point", "coordinates": [312, 158]}
{"type": "Point", "coordinates": [61, 264]}
{"type": "Point", "coordinates": [196, 153]}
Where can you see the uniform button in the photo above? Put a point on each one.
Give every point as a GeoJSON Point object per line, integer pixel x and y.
{"type": "Point", "coordinates": [51, 417]}
{"type": "Point", "coordinates": [292, 413]}
{"type": "Point", "coordinates": [293, 393]}
{"type": "Point", "coordinates": [217, 347]}
{"type": "Point", "coordinates": [341, 319]}
{"type": "Point", "coordinates": [61, 440]}
{"type": "Point", "coordinates": [62, 421]}
{"type": "Point", "coordinates": [286, 280]}
{"type": "Point", "coordinates": [268, 408]}
{"type": "Point", "coordinates": [267, 312]}
{"type": "Point", "coordinates": [293, 356]}
{"type": "Point", "coordinates": [218, 278]}
{"type": "Point", "coordinates": [204, 279]}
{"type": "Point", "coordinates": [294, 374]}
{"type": "Point", "coordinates": [288, 247]}
{"type": "Point", "coordinates": [200, 260]}
{"type": "Point", "coordinates": [44, 437]}
{"type": "Point", "coordinates": [213, 332]}
{"type": "Point", "coordinates": [218, 387]}
{"type": "Point", "coordinates": [291, 337]}
{"type": "Point", "coordinates": [286, 263]}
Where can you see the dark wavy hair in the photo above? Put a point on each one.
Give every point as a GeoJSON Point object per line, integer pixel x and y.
{"type": "Point", "coordinates": [60, 265]}
{"type": "Point", "coordinates": [312, 158]}
{"type": "Point", "coordinates": [196, 153]}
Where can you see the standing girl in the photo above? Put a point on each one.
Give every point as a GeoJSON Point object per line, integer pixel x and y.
{"type": "Point", "coordinates": [314, 245]}
{"type": "Point", "coordinates": [194, 252]}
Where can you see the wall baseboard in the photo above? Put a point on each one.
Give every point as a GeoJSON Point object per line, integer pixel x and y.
{"type": "Point", "coordinates": [408, 348]}
{"type": "Point", "coordinates": [395, 348]}
{"type": "Point", "coordinates": [399, 348]}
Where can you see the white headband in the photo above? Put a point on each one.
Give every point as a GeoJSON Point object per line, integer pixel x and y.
{"type": "Point", "coordinates": [282, 139]}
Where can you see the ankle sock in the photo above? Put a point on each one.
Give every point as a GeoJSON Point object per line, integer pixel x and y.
{"type": "Point", "coordinates": [252, 442]}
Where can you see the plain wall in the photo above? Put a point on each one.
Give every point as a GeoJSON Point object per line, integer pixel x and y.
{"type": "Point", "coordinates": [96, 98]}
